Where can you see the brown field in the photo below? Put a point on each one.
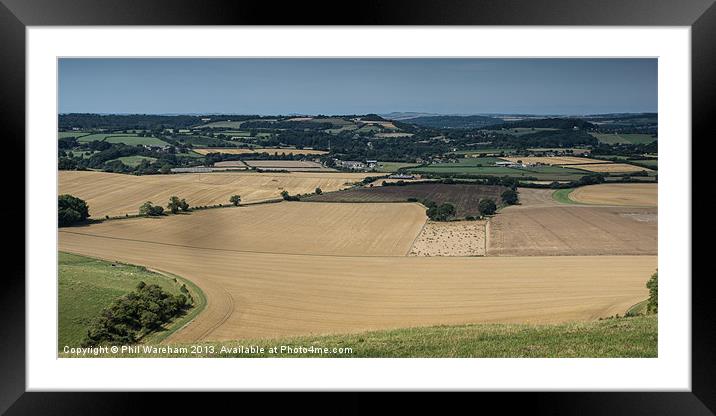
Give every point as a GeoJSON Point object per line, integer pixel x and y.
{"type": "Point", "coordinates": [116, 194]}
{"type": "Point", "coordinates": [256, 295]}
{"type": "Point", "coordinates": [465, 197]}
{"type": "Point", "coordinates": [281, 228]}
{"type": "Point", "coordinates": [540, 227]}
{"type": "Point", "coordinates": [291, 165]}
{"type": "Point", "coordinates": [454, 238]}
{"type": "Point", "coordinates": [629, 194]}
{"type": "Point", "coordinates": [556, 160]}
{"type": "Point", "coordinates": [611, 167]}
{"type": "Point", "coordinates": [270, 150]}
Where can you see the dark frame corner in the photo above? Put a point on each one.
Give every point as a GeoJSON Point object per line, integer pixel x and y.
{"type": "Point", "coordinates": [15, 15]}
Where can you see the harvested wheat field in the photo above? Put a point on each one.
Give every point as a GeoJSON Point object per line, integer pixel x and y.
{"type": "Point", "coordinates": [270, 150]}
{"type": "Point", "coordinates": [629, 194]}
{"type": "Point", "coordinates": [116, 194]}
{"type": "Point", "coordinates": [253, 295]}
{"type": "Point", "coordinates": [556, 160]}
{"type": "Point", "coordinates": [612, 168]}
{"type": "Point", "coordinates": [573, 230]}
{"type": "Point", "coordinates": [454, 238]}
{"type": "Point", "coordinates": [280, 228]}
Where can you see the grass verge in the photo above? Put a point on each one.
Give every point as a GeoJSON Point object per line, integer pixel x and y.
{"type": "Point", "coordinates": [562, 196]}
{"type": "Point", "coordinates": [87, 285]}
{"type": "Point", "coordinates": [621, 337]}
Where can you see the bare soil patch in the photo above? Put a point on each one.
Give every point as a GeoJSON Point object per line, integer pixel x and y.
{"type": "Point", "coordinates": [454, 238]}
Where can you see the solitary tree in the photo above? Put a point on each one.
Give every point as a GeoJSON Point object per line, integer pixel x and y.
{"type": "Point", "coordinates": [71, 210]}
{"type": "Point", "coordinates": [487, 207]}
{"type": "Point", "coordinates": [318, 191]}
{"type": "Point", "coordinates": [235, 199]}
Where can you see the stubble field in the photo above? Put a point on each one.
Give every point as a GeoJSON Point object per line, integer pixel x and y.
{"type": "Point", "coordinates": [257, 295]}
{"type": "Point", "coordinates": [320, 229]}
{"type": "Point", "coordinates": [541, 226]}
{"type": "Point", "coordinates": [631, 194]}
{"type": "Point", "coordinates": [116, 194]}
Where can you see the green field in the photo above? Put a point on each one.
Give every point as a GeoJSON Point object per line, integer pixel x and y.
{"type": "Point", "coordinates": [622, 337]}
{"type": "Point", "coordinates": [135, 140]}
{"type": "Point", "coordinates": [611, 138]}
{"type": "Point", "coordinates": [64, 134]}
{"type": "Point", "coordinates": [649, 163]}
{"type": "Point", "coordinates": [486, 166]}
{"type": "Point", "coordinates": [521, 131]}
{"type": "Point", "coordinates": [134, 161]}
{"type": "Point", "coordinates": [393, 166]}
{"type": "Point", "coordinates": [87, 285]}
{"type": "Point", "coordinates": [81, 153]}
{"type": "Point", "coordinates": [125, 138]}
{"type": "Point", "coordinates": [487, 151]}
{"type": "Point", "coordinates": [562, 196]}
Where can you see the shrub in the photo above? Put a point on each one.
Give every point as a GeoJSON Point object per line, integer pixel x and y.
{"type": "Point", "coordinates": [152, 210]}
{"type": "Point", "coordinates": [652, 305]}
{"type": "Point", "coordinates": [133, 315]}
{"type": "Point", "coordinates": [509, 197]}
{"type": "Point", "coordinates": [71, 210]}
{"type": "Point", "coordinates": [487, 206]}
{"type": "Point", "coordinates": [318, 191]}
{"type": "Point", "coordinates": [235, 199]}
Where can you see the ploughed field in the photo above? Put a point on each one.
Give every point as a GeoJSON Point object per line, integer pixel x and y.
{"type": "Point", "coordinates": [465, 197]}
{"type": "Point", "coordinates": [116, 194]}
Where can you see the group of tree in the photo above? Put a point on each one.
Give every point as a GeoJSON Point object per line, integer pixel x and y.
{"type": "Point", "coordinates": [144, 310]}
{"type": "Point", "coordinates": [175, 205]}
{"type": "Point", "coordinates": [443, 212]}
{"type": "Point", "coordinates": [151, 210]}
{"type": "Point", "coordinates": [288, 197]}
{"type": "Point", "coordinates": [71, 210]}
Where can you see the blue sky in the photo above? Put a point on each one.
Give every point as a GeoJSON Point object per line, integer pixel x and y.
{"type": "Point", "coordinates": [357, 86]}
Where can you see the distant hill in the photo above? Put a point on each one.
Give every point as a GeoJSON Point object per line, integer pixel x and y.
{"type": "Point", "coordinates": [553, 123]}
{"type": "Point", "coordinates": [400, 115]}
{"type": "Point", "coordinates": [455, 122]}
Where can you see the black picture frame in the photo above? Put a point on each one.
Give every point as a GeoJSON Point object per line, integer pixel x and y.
{"type": "Point", "coordinates": [16, 15]}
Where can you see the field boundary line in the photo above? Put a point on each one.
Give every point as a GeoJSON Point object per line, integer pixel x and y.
{"type": "Point", "coordinates": [410, 249]}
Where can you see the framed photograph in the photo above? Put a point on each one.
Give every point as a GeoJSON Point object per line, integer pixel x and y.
{"type": "Point", "coordinates": [462, 199]}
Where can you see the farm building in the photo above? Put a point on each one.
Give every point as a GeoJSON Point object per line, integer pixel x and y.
{"type": "Point", "coordinates": [351, 164]}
